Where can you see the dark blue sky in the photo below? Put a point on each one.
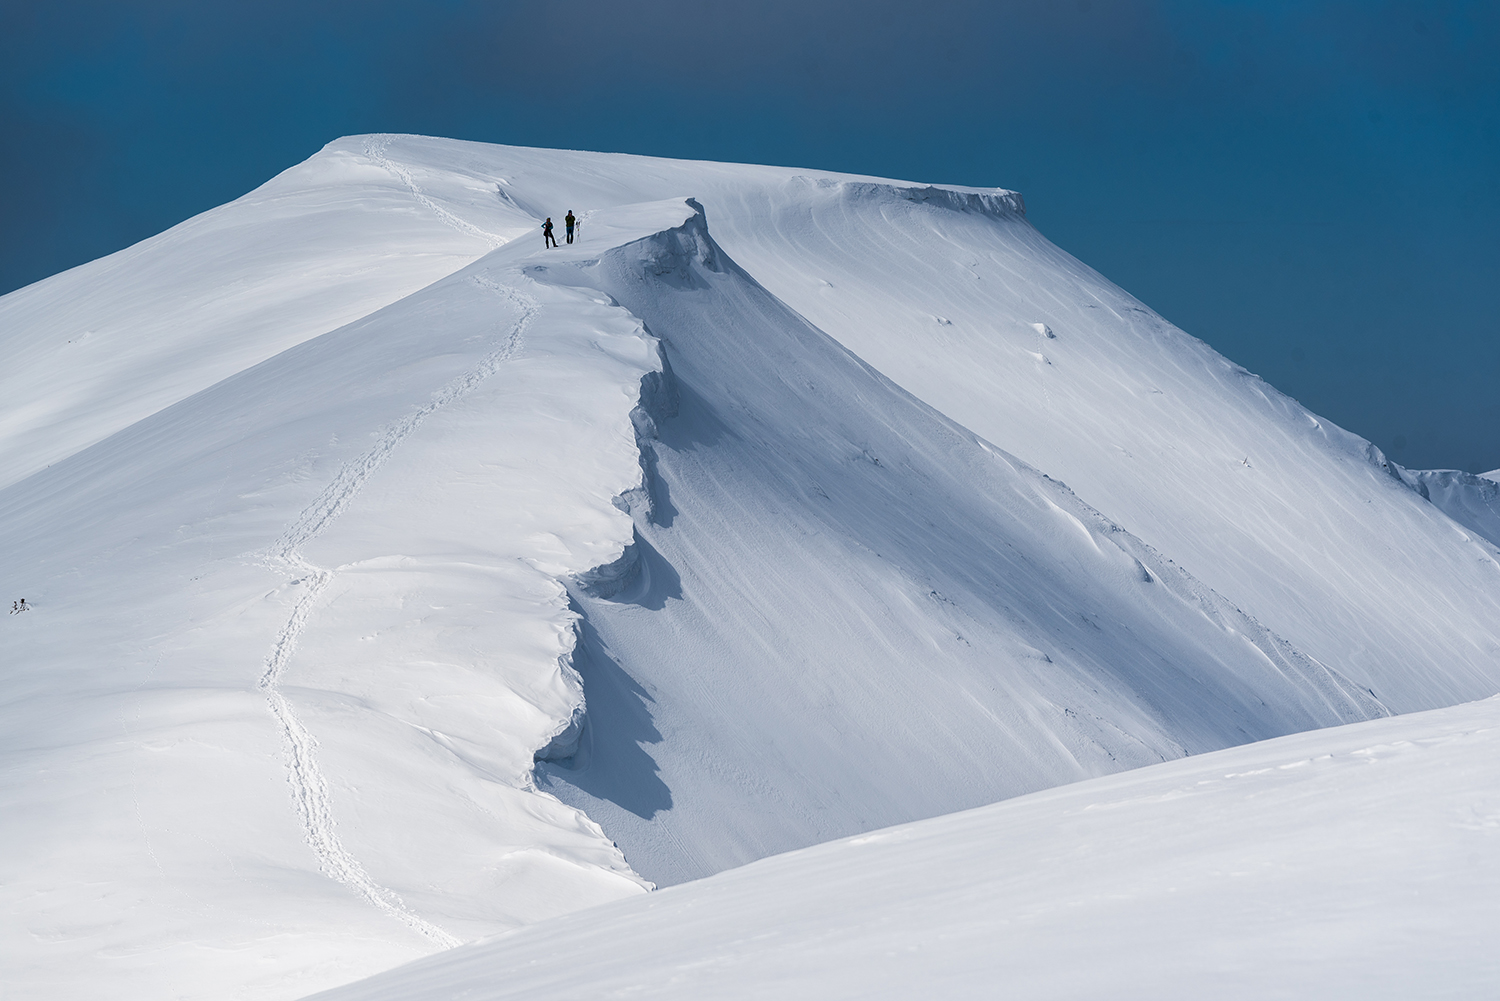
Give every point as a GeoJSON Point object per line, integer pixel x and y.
{"type": "Point", "coordinates": [1311, 187]}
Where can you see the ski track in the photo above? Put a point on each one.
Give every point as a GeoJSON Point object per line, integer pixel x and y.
{"type": "Point", "coordinates": [375, 149]}
{"type": "Point", "coordinates": [309, 788]}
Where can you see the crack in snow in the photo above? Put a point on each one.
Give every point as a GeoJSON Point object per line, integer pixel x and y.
{"type": "Point", "coordinates": [309, 788]}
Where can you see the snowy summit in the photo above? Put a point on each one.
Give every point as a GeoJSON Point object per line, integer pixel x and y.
{"type": "Point", "coordinates": [394, 579]}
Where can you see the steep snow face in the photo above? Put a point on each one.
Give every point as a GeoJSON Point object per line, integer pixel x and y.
{"type": "Point", "coordinates": [1301, 524]}
{"type": "Point", "coordinates": [849, 611]}
{"type": "Point", "coordinates": [1356, 862]}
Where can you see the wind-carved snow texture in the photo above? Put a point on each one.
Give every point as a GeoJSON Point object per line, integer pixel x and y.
{"type": "Point", "coordinates": [375, 149]}
{"type": "Point", "coordinates": [309, 788]}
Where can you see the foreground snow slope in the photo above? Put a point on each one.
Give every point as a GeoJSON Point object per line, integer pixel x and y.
{"type": "Point", "coordinates": [1356, 862]}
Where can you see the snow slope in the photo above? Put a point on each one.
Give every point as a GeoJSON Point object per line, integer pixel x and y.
{"type": "Point", "coordinates": [94, 349]}
{"type": "Point", "coordinates": [848, 611]}
{"type": "Point", "coordinates": [270, 722]}
{"type": "Point", "coordinates": [348, 501]}
{"type": "Point", "coordinates": [950, 293]}
{"type": "Point", "coordinates": [1299, 523]}
{"type": "Point", "coordinates": [1356, 862]}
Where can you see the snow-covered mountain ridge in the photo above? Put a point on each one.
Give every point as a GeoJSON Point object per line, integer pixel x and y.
{"type": "Point", "coordinates": [350, 489]}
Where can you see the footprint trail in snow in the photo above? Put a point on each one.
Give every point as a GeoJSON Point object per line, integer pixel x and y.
{"type": "Point", "coordinates": [309, 788]}
{"type": "Point", "coordinates": [375, 149]}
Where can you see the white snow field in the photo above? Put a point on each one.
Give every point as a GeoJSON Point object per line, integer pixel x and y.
{"type": "Point", "coordinates": [394, 581]}
{"type": "Point", "coordinates": [1356, 862]}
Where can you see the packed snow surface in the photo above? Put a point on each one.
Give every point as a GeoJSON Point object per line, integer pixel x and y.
{"type": "Point", "coordinates": [1356, 862]}
{"type": "Point", "coordinates": [394, 581]}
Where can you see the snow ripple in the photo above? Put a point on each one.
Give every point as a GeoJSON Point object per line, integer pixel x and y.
{"type": "Point", "coordinates": [309, 788]}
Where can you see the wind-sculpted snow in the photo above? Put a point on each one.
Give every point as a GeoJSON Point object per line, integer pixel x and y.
{"type": "Point", "coordinates": [848, 611]}
{"type": "Point", "coordinates": [1357, 862]}
{"type": "Point", "coordinates": [996, 204]}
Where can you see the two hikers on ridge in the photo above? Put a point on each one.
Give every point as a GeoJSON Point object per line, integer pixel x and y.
{"type": "Point", "coordinates": [548, 240]}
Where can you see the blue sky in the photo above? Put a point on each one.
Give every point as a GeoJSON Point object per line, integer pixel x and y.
{"type": "Point", "coordinates": [1313, 188]}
